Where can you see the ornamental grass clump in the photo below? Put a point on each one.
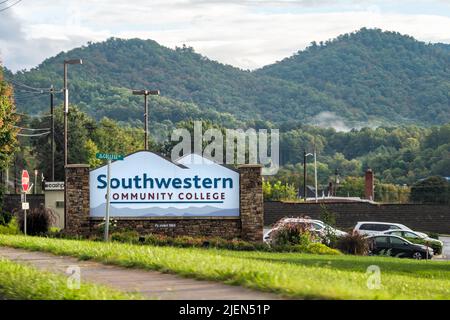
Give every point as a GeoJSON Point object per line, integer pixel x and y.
{"type": "Point", "coordinates": [353, 243]}
{"type": "Point", "coordinates": [291, 233]}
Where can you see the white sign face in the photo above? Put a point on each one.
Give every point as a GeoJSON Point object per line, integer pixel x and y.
{"type": "Point", "coordinates": [54, 185]}
{"type": "Point", "coordinates": [145, 184]}
{"type": "Point", "coordinates": [25, 206]}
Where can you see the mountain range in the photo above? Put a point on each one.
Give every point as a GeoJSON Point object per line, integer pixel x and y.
{"type": "Point", "coordinates": [361, 78]}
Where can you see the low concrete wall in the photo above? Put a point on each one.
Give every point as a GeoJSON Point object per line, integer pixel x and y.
{"type": "Point", "coordinates": [420, 217]}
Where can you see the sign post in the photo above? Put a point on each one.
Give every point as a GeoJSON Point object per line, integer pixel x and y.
{"type": "Point", "coordinates": [25, 187]}
{"type": "Point", "coordinates": [108, 157]}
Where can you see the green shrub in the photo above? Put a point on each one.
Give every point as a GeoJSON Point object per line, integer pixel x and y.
{"type": "Point", "coordinates": [353, 243]}
{"type": "Point", "coordinates": [187, 241]}
{"type": "Point", "coordinates": [129, 236]}
{"type": "Point", "coordinates": [433, 235]}
{"type": "Point", "coordinates": [437, 247]}
{"type": "Point", "coordinates": [292, 234]}
{"type": "Point", "coordinates": [303, 245]}
{"type": "Point", "coordinates": [320, 248]}
{"type": "Point", "coordinates": [157, 240]}
{"type": "Point", "coordinates": [5, 218]}
{"type": "Point", "coordinates": [39, 220]}
{"type": "Point", "coordinates": [11, 228]}
{"type": "Point", "coordinates": [329, 218]}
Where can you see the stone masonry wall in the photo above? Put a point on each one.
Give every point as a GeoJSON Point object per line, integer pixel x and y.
{"type": "Point", "coordinates": [194, 227]}
{"type": "Point", "coordinates": [77, 199]}
{"type": "Point", "coordinates": [420, 217]}
{"type": "Point", "coordinates": [251, 202]}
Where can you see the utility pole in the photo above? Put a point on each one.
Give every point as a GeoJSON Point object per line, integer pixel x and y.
{"type": "Point", "coordinates": [304, 175]}
{"type": "Point", "coordinates": [66, 104]}
{"type": "Point", "coordinates": [336, 181]}
{"type": "Point", "coordinates": [145, 122]}
{"type": "Point", "coordinates": [66, 113]}
{"type": "Point", "coordinates": [315, 172]}
{"type": "Point", "coordinates": [146, 93]}
{"type": "Point", "coordinates": [35, 181]}
{"type": "Point", "coordinates": [52, 128]}
{"type": "Point", "coordinates": [305, 155]}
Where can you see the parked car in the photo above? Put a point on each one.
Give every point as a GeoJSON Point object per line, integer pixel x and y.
{"type": "Point", "coordinates": [316, 226]}
{"type": "Point", "coordinates": [371, 228]}
{"type": "Point", "coordinates": [416, 237]}
{"type": "Point", "coordinates": [396, 246]}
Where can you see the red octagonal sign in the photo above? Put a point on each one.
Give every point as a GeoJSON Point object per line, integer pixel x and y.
{"type": "Point", "coordinates": [25, 181]}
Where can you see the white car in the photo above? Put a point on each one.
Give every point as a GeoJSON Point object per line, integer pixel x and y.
{"type": "Point", "coordinates": [315, 225]}
{"type": "Point", "coordinates": [371, 228]}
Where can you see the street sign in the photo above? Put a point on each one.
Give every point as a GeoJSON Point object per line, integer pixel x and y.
{"type": "Point", "coordinates": [25, 206]}
{"type": "Point", "coordinates": [109, 156]}
{"type": "Point", "coordinates": [25, 181]}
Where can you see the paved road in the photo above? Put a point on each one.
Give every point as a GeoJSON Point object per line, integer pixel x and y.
{"type": "Point", "coordinates": [150, 284]}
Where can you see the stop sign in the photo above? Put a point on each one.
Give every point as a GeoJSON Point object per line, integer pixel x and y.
{"type": "Point", "coordinates": [25, 181]}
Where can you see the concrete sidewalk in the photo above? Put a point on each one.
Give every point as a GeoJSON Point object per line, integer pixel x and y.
{"type": "Point", "coordinates": [150, 284]}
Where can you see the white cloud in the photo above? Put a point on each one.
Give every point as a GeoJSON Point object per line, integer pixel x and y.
{"type": "Point", "coordinates": [247, 34]}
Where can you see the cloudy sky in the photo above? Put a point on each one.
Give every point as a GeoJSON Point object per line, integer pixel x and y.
{"type": "Point", "coordinates": [247, 34]}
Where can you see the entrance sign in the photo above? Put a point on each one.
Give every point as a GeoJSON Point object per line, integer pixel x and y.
{"type": "Point", "coordinates": [145, 184]}
{"type": "Point", "coordinates": [25, 181]}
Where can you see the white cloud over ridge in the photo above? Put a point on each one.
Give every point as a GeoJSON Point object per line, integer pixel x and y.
{"type": "Point", "coordinates": [247, 34]}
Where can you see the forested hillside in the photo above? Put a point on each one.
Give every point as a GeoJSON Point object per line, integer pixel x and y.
{"type": "Point", "coordinates": [366, 77]}
{"type": "Point", "coordinates": [361, 79]}
{"type": "Point", "coordinates": [376, 73]}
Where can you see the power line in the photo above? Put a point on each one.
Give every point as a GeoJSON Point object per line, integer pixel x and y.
{"type": "Point", "coordinates": [27, 91]}
{"type": "Point", "coordinates": [33, 135]}
{"type": "Point", "coordinates": [33, 116]}
{"type": "Point", "coordinates": [10, 6]}
{"type": "Point", "coordinates": [31, 129]}
{"type": "Point", "coordinates": [27, 95]}
{"type": "Point", "coordinates": [20, 84]}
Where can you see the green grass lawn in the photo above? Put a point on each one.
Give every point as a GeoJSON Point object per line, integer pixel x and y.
{"type": "Point", "coordinates": [20, 282]}
{"type": "Point", "coordinates": [290, 274]}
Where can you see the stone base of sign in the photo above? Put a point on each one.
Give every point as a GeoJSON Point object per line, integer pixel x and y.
{"type": "Point", "coordinates": [193, 227]}
{"type": "Point", "coordinates": [251, 202]}
{"type": "Point", "coordinates": [249, 226]}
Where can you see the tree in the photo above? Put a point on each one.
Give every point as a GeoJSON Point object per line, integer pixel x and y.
{"type": "Point", "coordinates": [431, 190]}
{"type": "Point", "coordinates": [8, 119]}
